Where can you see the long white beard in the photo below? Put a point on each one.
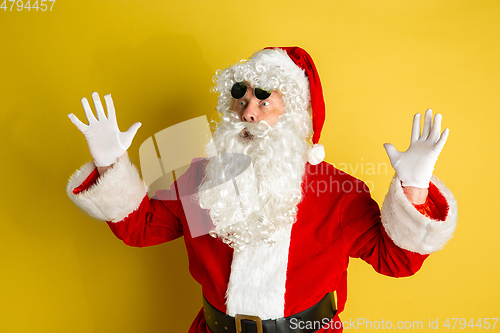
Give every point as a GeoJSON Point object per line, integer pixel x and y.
{"type": "Point", "coordinates": [267, 192]}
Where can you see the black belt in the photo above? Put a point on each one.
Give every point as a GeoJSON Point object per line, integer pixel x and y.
{"type": "Point", "coordinates": [314, 318]}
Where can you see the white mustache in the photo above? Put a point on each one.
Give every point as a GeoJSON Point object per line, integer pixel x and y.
{"type": "Point", "coordinates": [259, 130]}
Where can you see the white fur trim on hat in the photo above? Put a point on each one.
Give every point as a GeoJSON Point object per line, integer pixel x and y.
{"type": "Point", "coordinates": [316, 154]}
{"type": "Point", "coordinates": [411, 230]}
{"type": "Point", "coordinates": [279, 58]}
{"type": "Point", "coordinates": [115, 194]}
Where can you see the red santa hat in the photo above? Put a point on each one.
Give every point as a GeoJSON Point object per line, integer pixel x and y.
{"type": "Point", "coordinates": [298, 63]}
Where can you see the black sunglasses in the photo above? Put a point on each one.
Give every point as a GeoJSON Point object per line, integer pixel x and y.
{"type": "Point", "coordinates": [239, 90]}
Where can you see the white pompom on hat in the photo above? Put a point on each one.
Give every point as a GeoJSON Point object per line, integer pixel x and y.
{"type": "Point", "coordinates": [316, 154]}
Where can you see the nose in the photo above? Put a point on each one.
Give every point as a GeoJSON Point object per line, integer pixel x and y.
{"type": "Point", "coordinates": [250, 114]}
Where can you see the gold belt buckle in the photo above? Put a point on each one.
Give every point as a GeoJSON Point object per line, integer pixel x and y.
{"type": "Point", "coordinates": [239, 317]}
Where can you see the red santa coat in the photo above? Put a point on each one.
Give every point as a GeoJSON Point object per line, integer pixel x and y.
{"type": "Point", "coordinates": [337, 219]}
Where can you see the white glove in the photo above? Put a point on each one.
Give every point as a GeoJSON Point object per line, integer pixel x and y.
{"type": "Point", "coordinates": [414, 166]}
{"type": "Point", "coordinates": [106, 142]}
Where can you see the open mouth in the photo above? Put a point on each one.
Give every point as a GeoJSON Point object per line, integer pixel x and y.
{"type": "Point", "coordinates": [245, 134]}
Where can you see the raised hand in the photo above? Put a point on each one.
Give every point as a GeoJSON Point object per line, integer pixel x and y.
{"type": "Point", "coordinates": [415, 166]}
{"type": "Point", "coordinates": [106, 142]}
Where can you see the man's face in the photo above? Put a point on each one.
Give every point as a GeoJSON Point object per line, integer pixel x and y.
{"type": "Point", "coordinates": [251, 109]}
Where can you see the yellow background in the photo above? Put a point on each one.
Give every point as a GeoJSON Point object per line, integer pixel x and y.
{"type": "Point", "coordinates": [380, 62]}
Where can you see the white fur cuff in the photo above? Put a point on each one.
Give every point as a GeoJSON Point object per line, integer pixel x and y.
{"type": "Point", "coordinates": [115, 194]}
{"type": "Point", "coordinates": [411, 230]}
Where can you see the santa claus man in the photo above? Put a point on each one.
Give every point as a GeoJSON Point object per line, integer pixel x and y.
{"type": "Point", "coordinates": [278, 246]}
